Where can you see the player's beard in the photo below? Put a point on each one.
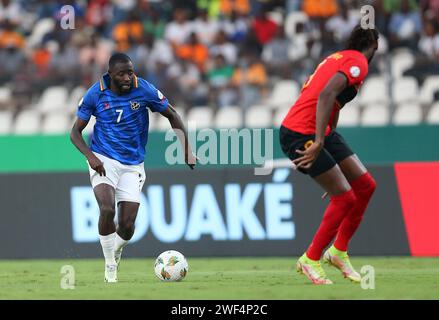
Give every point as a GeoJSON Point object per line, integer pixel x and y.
{"type": "Point", "coordinates": [123, 88]}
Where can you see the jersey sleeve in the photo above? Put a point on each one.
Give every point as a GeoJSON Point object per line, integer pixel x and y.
{"type": "Point", "coordinates": [87, 105]}
{"type": "Point", "coordinates": [157, 102]}
{"type": "Point", "coordinates": [354, 70]}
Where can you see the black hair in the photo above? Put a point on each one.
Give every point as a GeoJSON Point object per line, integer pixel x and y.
{"type": "Point", "coordinates": [361, 38]}
{"type": "Point", "coordinates": [116, 58]}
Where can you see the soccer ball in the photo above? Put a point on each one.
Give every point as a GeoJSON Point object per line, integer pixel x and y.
{"type": "Point", "coordinates": [171, 265]}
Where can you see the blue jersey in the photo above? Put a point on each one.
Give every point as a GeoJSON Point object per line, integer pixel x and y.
{"type": "Point", "coordinates": [122, 121]}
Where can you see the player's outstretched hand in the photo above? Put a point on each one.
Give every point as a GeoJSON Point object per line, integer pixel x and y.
{"type": "Point", "coordinates": [191, 160]}
{"type": "Point", "coordinates": [97, 165]}
{"type": "Point", "coordinates": [308, 156]}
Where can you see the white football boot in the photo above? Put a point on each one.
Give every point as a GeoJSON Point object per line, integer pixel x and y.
{"type": "Point", "coordinates": [110, 273]}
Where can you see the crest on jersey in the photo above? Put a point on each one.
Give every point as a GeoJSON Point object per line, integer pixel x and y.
{"type": "Point", "coordinates": [355, 71]}
{"type": "Point", "coordinates": [134, 105]}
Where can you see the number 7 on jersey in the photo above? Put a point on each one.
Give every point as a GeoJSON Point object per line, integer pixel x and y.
{"type": "Point", "coordinates": [119, 111]}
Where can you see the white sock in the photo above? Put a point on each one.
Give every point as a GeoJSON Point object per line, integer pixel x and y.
{"type": "Point", "coordinates": [107, 243]}
{"type": "Point", "coordinates": [119, 244]}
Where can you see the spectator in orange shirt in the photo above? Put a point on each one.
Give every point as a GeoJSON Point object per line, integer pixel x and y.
{"type": "Point", "coordinates": [194, 51]}
{"type": "Point", "coordinates": [320, 11]}
{"type": "Point", "coordinates": [41, 59]}
{"type": "Point", "coordinates": [250, 78]}
{"type": "Point", "coordinates": [127, 32]}
{"type": "Point", "coordinates": [9, 38]}
{"type": "Point", "coordinates": [320, 8]}
{"type": "Point", "coordinates": [239, 6]}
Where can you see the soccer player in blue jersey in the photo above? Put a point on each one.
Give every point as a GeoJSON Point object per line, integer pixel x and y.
{"type": "Point", "coordinates": [120, 101]}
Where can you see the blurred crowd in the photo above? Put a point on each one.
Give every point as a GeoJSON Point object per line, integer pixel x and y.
{"type": "Point", "coordinates": [199, 52]}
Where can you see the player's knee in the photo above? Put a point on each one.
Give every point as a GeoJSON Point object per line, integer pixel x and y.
{"type": "Point", "coordinates": [127, 231]}
{"type": "Point", "coordinates": [346, 199]}
{"type": "Point", "coordinates": [350, 198]}
{"type": "Point", "coordinates": [107, 211]}
{"type": "Point", "coordinates": [127, 226]}
{"type": "Point", "coordinates": [368, 187]}
{"type": "Point", "coordinates": [371, 184]}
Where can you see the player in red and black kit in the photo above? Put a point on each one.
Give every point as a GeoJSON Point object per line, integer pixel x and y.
{"type": "Point", "coordinates": [309, 139]}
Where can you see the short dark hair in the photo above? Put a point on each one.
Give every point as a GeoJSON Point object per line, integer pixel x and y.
{"type": "Point", "coordinates": [362, 38]}
{"type": "Point", "coordinates": [116, 58]}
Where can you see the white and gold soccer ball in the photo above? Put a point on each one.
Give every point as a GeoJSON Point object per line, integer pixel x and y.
{"type": "Point", "coordinates": [171, 265]}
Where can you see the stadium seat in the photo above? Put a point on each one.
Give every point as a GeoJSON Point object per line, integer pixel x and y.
{"type": "Point", "coordinates": [6, 117]}
{"type": "Point", "coordinates": [161, 123]}
{"type": "Point", "coordinates": [53, 99]}
{"type": "Point", "coordinates": [27, 122]}
{"type": "Point", "coordinates": [405, 90]}
{"type": "Point", "coordinates": [258, 117]}
{"type": "Point", "coordinates": [292, 20]}
{"type": "Point", "coordinates": [229, 117]}
{"type": "Point", "coordinates": [433, 114]}
{"type": "Point", "coordinates": [355, 103]}
{"type": "Point", "coordinates": [400, 62]}
{"type": "Point", "coordinates": [5, 96]}
{"type": "Point", "coordinates": [430, 86]}
{"type": "Point", "coordinates": [349, 117]}
{"type": "Point", "coordinates": [408, 114]}
{"type": "Point", "coordinates": [284, 93]}
{"type": "Point", "coordinates": [374, 90]}
{"type": "Point", "coordinates": [41, 27]}
{"type": "Point", "coordinates": [375, 115]}
{"type": "Point", "coordinates": [277, 17]}
{"type": "Point", "coordinates": [56, 123]}
{"type": "Point", "coordinates": [74, 98]}
{"type": "Point", "coordinates": [201, 116]}
{"type": "Point", "coordinates": [279, 116]}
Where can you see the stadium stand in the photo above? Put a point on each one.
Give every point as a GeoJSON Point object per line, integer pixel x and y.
{"type": "Point", "coordinates": [202, 116]}
{"type": "Point", "coordinates": [207, 55]}
{"type": "Point", "coordinates": [376, 115]}
{"type": "Point", "coordinates": [433, 115]}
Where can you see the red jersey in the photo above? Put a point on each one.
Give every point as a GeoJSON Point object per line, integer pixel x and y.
{"type": "Point", "coordinates": [302, 115]}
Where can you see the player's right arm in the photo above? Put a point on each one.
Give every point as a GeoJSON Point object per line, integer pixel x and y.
{"type": "Point", "coordinates": [78, 140]}
{"type": "Point", "coordinates": [86, 108]}
{"type": "Point", "coordinates": [325, 106]}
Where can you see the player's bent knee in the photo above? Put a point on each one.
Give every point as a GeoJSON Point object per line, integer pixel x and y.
{"type": "Point", "coordinates": [126, 231]}
{"type": "Point", "coordinates": [107, 211]}
{"type": "Point", "coordinates": [126, 225]}
{"type": "Point", "coordinates": [372, 185]}
{"type": "Point", "coordinates": [348, 198]}
{"type": "Point", "coordinates": [369, 185]}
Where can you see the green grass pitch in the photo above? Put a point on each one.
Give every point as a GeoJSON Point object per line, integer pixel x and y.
{"type": "Point", "coordinates": [218, 278]}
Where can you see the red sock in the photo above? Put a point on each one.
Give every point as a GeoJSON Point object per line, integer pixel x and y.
{"type": "Point", "coordinates": [339, 206]}
{"type": "Point", "coordinates": [363, 187]}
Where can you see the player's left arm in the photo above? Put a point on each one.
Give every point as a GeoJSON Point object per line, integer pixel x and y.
{"type": "Point", "coordinates": [180, 129]}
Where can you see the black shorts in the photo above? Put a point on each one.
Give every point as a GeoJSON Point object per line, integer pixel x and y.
{"type": "Point", "coordinates": [334, 150]}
